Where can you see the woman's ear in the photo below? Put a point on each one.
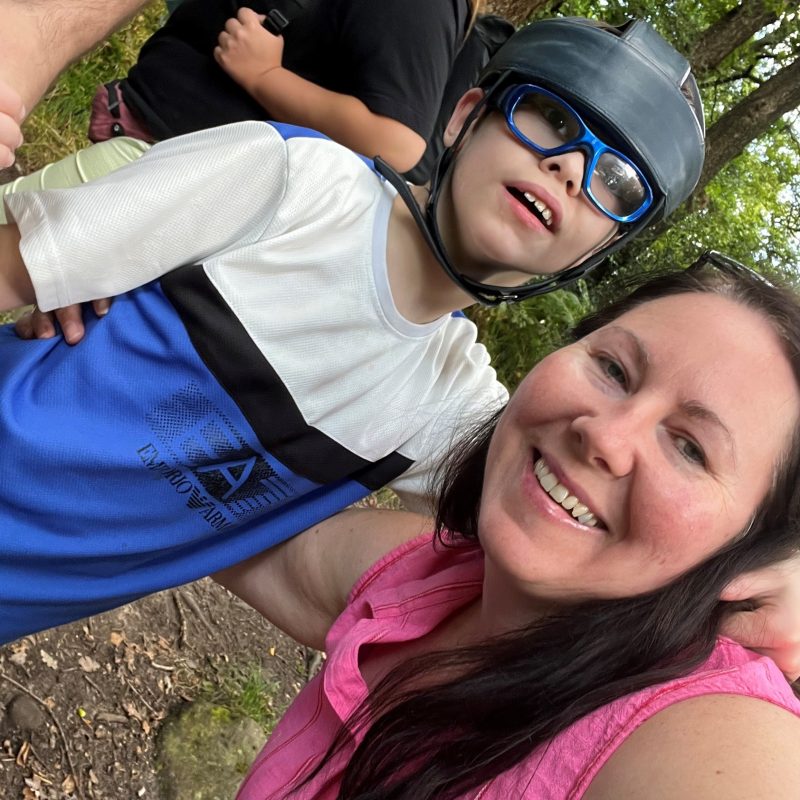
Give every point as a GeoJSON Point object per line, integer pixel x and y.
{"type": "Point", "coordinates": [459, 116]}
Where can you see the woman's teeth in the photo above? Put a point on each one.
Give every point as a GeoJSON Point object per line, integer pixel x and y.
{"type": "Point", "coordinates": [561, 495]}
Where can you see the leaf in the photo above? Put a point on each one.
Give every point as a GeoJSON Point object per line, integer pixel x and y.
{"type": "Point", "coordinates": [88, 664]}
{"type": "Point", "coordinates": [132, 711]}
{"type": "Point", "coordinates": [48, 659]}
{"type": "Point", "coordinates": [18, 658]}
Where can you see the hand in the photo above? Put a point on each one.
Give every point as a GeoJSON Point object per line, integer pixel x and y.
{"type": "Point", "coordinates": [247, 51]}
{"type": "Point", "coordinates": [36, 324]}
{"type": "Point", "coordinates": [773, 626]}
{"type": "Point", "coordinates": [12, 112]}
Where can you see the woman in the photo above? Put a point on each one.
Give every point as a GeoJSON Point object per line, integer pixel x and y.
{"type": "Point", "coordinates": [559, 638]}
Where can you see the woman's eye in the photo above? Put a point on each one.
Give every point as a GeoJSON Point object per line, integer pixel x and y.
{"type": "Point", "coordinates": [613, 370]}
{"type": "Point", "coordinates": [690, 450]}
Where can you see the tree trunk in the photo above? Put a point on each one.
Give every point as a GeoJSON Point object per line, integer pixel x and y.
{"type": "Point", "coordinates": [750, 118]}
{"type": "Point", "coordinates": [731, 31]}
{"type": "Point", "coordinates": [517, 11]}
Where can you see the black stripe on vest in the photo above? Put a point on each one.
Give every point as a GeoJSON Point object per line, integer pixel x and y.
{"type": "Point", "coordinates": [236, 362]}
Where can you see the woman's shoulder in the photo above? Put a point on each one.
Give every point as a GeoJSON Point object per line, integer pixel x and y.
{"type": "Point", "coordinates": [729, 729]}
{"type": "Point", "coordinates": [706, 747]}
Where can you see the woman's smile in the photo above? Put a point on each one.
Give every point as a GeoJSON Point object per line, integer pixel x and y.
{"type": "Point", "coordinates": [563, 496]}
{"type": "Point", "coordinates": [639, 438]}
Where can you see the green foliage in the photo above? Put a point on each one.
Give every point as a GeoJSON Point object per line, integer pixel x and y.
{"type": "Point", "coordinates": [241, 691]}
{"type": "Point", "coordinates": [518, 336]}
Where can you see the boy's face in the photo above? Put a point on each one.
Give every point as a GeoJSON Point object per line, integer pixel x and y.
{"type": "Point", "coordinates": [506, 213]}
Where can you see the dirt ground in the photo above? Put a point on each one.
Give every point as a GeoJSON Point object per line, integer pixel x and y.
{"type": "Point", "coordinates": [81, 705]}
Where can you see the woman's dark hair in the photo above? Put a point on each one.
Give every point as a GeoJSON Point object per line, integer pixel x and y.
{"type": "Point", "coordinates": [444, 723]}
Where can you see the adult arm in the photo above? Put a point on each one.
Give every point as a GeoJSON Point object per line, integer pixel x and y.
{"type": "Point", "coordinates": [12, 112]}
{"type": "Point", "coordinates": [301, 586]}
{"type": "Point", "coordinates": [252, 56]}
{"type": "Point", "coordinates": [710, 747]}
{"type": "Point", "coordinates": [38, 38]}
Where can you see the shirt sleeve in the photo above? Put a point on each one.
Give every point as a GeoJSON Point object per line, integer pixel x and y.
{"type": "Point", "coordinates": [472, 405]}
{"type": "Point", "coordinates": [400, 54]}
{"type": "Point", "coordinates": [185, 200]}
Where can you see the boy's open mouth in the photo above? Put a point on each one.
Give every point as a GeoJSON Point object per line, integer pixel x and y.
{"type": "Point", "coordinates": [534, 205]}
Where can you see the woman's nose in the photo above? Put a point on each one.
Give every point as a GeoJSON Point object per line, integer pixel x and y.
{"type": "Point", "coordinates": [568, 168]}
{"type": "Point", "coordinates": [610, 442]}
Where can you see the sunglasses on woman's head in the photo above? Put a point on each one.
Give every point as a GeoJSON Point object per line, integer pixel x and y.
{"type": "Point", "coordinates": [726, 265]}
{"type": "Point", "coordinates": [549, 126]}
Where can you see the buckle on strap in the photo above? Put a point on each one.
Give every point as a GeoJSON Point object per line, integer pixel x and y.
{"type": "Point", "coordinates": [275, 22]}
{"type": "Point", "coordinates": [114, 99]}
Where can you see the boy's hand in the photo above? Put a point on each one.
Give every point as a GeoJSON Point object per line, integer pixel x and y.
{"type": "Point", "coordinates": [773, 627]}
{"type": "Point", "coordinates": [246, 50]}
{"type": "Point", "coordinates": [12, 112]}
{"type": "Point", "coordinates": [36, 324]}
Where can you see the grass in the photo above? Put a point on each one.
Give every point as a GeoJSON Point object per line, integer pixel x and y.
{"type": "Point", "coordinates": [59, 123]}
{"type": "Point", "coordinates": [242, 691]}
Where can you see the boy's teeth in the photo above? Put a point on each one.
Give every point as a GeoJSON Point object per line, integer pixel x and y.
{"type": "Point", "coordinates": [562, 496]}
{"type": "Point", "coordinates": [546, 213]}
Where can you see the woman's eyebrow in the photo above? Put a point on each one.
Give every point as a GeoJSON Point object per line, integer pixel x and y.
{"type": "Point", "coordinates": [697, 410]}
{"type": "Point", "coordinates": [691, 408]}
{"type": "Point", "coordinates": [640, 354]}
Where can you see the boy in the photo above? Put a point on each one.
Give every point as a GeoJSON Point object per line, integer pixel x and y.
{"type": "Point", "coordinates": [314, 356]}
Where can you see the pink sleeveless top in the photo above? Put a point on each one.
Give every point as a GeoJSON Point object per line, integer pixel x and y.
{"type": "Point", "coordinates": [407, 594]}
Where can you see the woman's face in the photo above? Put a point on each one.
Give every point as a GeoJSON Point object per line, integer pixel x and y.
{"type": "Point", "coordinates": [665, 426]}
{"type": "Point", "coordinates": [507, 213]}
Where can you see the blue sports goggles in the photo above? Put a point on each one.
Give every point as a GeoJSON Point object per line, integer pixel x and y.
{"type": "Point", "coordinates": [550, 126]}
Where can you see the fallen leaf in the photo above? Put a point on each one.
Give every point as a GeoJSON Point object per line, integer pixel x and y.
{"type": "Point", "coordinates": [24, 752]}
{"type": "Point", "coordinates": [116, 638]}
{"type": "Point", "coordinates": [18, 658]}
{"type": "Point", "coordinates": [132, 711]}
{"type": "Point", "coordinates": [48, 659]}
{"type": "Point", "coordinates": [68, 785]}
{"type": "Point", "coordinates": [88, 664]}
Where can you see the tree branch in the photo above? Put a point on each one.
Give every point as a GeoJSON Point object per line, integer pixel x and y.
{"type": "Point", "coordinates": [731, 31]}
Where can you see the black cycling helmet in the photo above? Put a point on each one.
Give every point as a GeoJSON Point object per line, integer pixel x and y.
{"type": "Point", "coordinates": [631, 85]}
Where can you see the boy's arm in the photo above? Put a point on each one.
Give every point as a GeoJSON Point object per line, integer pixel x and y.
{"type": "Point", "coordinates": [252, 57]}
{"type": "Point", "coordinates": [301, 585]}
{"type": "Point", "coordinates": [183, 202]}
{"type": "Point", "coordinates": [16, 288]}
